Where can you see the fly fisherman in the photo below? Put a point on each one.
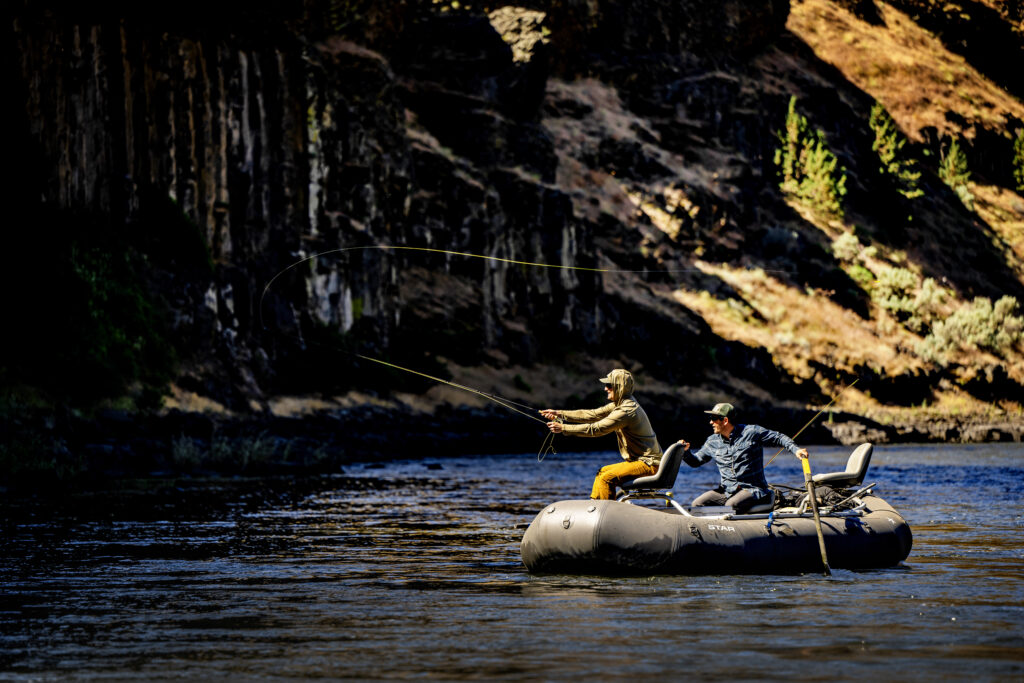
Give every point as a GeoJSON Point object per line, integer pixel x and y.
{"type": "Point", "coordinates": [638, 444]}
{"type": "Point", "coordinates": [738, 450]}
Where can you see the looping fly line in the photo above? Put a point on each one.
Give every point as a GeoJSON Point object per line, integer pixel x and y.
{"type": "Point", "coordinates": [498, 259]}
{"type": "Point", "coordinates": [500, 400]}
{"type": "Point", "coordinates": [505, 402]}
{"type": "Point", "coordinates": [548, 445]}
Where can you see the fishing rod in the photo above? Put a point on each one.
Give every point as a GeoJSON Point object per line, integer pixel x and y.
{"type": "Point", "coordinates": [816, 416]}
{"type": "Point", "coordinates": [547, 446]}
{"type": "Point", "coordinates": [500, 400]}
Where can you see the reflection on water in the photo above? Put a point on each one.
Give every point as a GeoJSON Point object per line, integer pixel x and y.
{"type": "Point", "coordinates": [408, 570]}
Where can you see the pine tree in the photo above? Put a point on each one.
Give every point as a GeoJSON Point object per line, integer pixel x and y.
{"type": "Point", "coordinates": [895, 163]}
{"type": "Point", "coordinates": [809, 171]}
{"type": "Point", "coordinates": [954, 172]}
{"type": "Point", "coordinates": [1018, 160]}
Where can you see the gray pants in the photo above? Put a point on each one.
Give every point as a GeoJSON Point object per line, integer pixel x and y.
{"type": "Point", "coordinates": [741, 501]}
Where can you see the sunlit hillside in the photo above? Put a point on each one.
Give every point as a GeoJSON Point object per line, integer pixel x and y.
{"type": "Point", "coordinates": [934, 95]}
{"type": "Point", "coordinates": [931, 340]}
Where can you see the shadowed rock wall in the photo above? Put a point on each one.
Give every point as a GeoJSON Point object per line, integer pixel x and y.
{"type": "Point", "coordinates": [275, 147]}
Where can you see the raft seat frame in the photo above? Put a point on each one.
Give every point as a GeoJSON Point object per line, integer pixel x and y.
{"type": "Point", "coordinates": [722, 512]}
{"type": "Point", "coordinates": [781, 513]}
{"type": "Point", "coordinates": [658, 486]}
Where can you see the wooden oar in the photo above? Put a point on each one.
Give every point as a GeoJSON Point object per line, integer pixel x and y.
{"type": "Point", "coordinates": [809, 482]}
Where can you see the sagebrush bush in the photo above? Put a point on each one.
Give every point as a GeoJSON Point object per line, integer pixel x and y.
{"type": "Point", "coordinates": [894, 290]}
{"type": "Point", "coordinates": [896, 165]}
{"type": "Point", "coordinates": [977, 325]}
{"type": "Point", "coordinates": [926, 306]}
{"type": "Point", "coordinates": [846, 247]}
{"type": "Point", "coordinates": [808, 170]}
{"type": "Point", "coordinates": [913, 303]}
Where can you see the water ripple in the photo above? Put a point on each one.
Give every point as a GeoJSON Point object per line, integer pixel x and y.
{"type": "Point", "coordinates": [412, 569]}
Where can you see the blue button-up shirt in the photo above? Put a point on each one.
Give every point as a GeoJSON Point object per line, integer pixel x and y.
{"type": "Point", "coordinates": [740, 458]}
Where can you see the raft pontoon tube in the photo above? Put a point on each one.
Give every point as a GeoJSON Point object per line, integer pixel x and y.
{"type": "Point", "coordinates": [861, 531]}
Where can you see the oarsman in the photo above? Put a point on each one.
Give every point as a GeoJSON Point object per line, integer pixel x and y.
{"type": "Point", "coordinates": [738, 450]}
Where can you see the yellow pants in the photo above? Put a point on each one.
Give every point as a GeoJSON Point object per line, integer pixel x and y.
{"type": "Point", "coordinates": [610, 476]}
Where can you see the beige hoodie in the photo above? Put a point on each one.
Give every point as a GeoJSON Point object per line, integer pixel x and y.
{"type": "Point", "coordinates": [624, 416]}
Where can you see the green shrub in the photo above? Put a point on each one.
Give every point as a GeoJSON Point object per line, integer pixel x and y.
{"type": "Point", "coordinates": [927, 305]}
{"type": "Point", "coordinates": [862, 276]}
{"type": "Point", "coordinates": [258, 450]}
{"type": "Point", "coordinates": [347, 14]}
{"type": "Point", "coordinates": [119, 328]}
{"type": "Point", "coordinates": [808, 170]}
{"type": "Point", "coordinates": [896, 164]}
{"type": "Point", "coordinates": [977, 325]}
{"type": "Point", "coordinates": [236, 454]}
{"type": "Point", "coordinates": [954, 172]}
{"type": "Point", "coordinates": [186, 453]}
{"type": "Point", "coordinates": [915, 305]}
{"type": "Point", "coordinates": [92, 324]}
{"type": "Point", "coordinates": [894, 291]}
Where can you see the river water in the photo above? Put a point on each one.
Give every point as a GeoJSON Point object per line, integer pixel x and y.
{"type": "Point", "coordinates": [411, 569]}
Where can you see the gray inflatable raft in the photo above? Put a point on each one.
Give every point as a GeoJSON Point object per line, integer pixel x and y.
{"type": "Point", "coordinates": [618, 537]}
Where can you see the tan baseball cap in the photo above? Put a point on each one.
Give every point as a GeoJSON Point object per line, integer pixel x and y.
{"type": "Point", "coordinates": [610, 378]}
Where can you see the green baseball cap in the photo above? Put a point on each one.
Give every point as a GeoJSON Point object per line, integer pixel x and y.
{"type": "Point", "coordinates": [721, 410]}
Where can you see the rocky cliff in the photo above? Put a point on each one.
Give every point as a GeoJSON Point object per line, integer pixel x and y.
{"type": "Point", "coordinates": [198, 160]}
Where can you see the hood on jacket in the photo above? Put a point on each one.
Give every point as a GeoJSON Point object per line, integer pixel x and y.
{"type": "Point", "coordinates": [621, 382]}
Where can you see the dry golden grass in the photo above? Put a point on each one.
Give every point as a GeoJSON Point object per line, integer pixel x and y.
{"type": "Point", "coordinates": [191, 402]}
{"type": "Point", "coordinates": [905, 67]}
{"type": "Point", "coordinates": [797, 327]}
{"type": "Point", "coordinates": [1003, 211]}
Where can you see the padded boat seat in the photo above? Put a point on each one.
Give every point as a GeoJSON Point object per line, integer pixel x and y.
{"type": "Point", "coordinates": [856, 468]}
{"type": "Point", "coordinates": [662, 480]}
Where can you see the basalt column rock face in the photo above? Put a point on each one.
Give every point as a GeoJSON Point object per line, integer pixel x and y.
{"type": "Point", "coordinates": [275, 144]}
{"type": "Point", "coordinates": [273, 148]}
{"type": "Point", "coordinates": [484, 171]}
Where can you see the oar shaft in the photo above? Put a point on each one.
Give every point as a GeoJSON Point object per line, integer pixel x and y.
{"type": "Point", "coordinates": [809, 482]}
